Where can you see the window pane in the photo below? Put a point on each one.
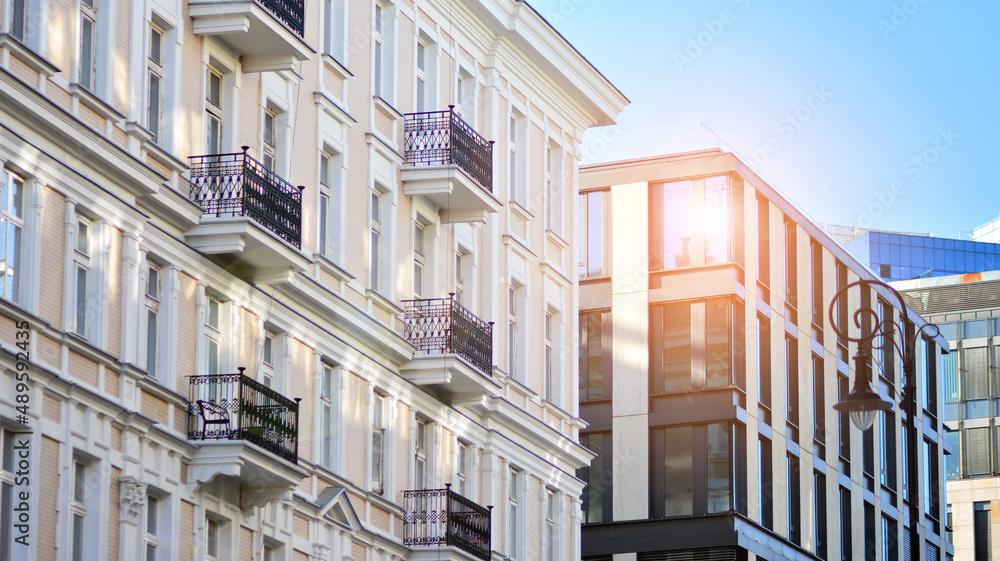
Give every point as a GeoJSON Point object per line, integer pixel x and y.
{"type": "Point", "coordinates": [595, 234]}
{"type": "Point", "coordinates": [86, 54]}
{"type": "Point", "coordinates": [717, 209]}
{"type": "Point", "coordinates": [720, 469]}
{"type": "Point", "coordinates": [718, 334]}
{"type": "Point", "coordinates": [151, 342]}
{"type": "Point", "coordinates": [81, 301]}
{"type": "Point", "coordinates": [678, 474]}
{"type": "Point", "coordinates": [676, 347]}
{"type": "Point", "coordinates": [153, 110]}
{"type": "Point", "coordinates": [677, 229]}
{"type": "Point", "coordinates": [978, 328]}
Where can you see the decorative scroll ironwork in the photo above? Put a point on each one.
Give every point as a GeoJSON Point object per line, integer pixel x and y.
{"type": "Point", "coordinates": [443, 517]}
{"type": "Point", "coordinates": [289, 12]}
{"type": "Point", "coordinates": [238, 185]}
{"type": "Point", "coordinates": [443, 138]}
{"type": "Point", "coordinates": [443, 325]}
{"type": "Point", "coordinates": [237, 407]}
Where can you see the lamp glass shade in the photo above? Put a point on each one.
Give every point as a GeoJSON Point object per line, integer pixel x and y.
{"type": "Point", "coordinates": [863, 419]}
{"type": "Point", "coordinates": [862, 403]}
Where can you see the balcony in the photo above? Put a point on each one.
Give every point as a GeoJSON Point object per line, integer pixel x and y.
{"type": "Point", "coordinates": [229, 412]}
{"type": "Point", "coordinates": [442, 517]}
{"type": "Point", "coordinates": [267, 33]}
{"type": "Point", "coordinates": [450, 164]}
{"type": "Point", "coordinates": [454, 348]}
{"type": "Point", "coordinates": [252, 218]}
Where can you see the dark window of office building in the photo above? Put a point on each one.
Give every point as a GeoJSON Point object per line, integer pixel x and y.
{"type": "Point", "coordinates": [841, 312]}
{"type": "Point", "coordinates": [928, 352]}
{"type": "Point", "coordinates": [763, 242]}
{"type": "Point", "coordinates": [819, 408]}
{"type": "Point", "coordinates": [932, 482]}
{"type": "Point", "coordinates": [868, 458]}
{"type": "Point", "coordinates": [870, 531]}
{"type": "Point", "coordinates": [844, 424]}
{"type": "Point", "coordinates": [703, 469]}
{"type": "Point", "coordinates": [846, 537]}
{"type": "Point", "coordinates": [887, 451]}
{"type": "Point", "coordinates": [819, 492]}
{"type": "Point", "coordinates": [597, 493]}
{"type": "Point", "coordinates": [595, 355]}
{"type": "Point", "coordinates": [709, 333]}
{"type": "Point", "coordinates": [766, 501]}
{"type": "Point", "coordinates": [792, 385]}
{"type": "Point", "coordinates": [976, 451]}
{"type": "Point", "coordinates": [890, 540]}
{"type": "Point", "coordinates": [764, 368]}
{"type": "Point", "coordinates": [794, 500]}
{"type": "Point", "coordinates": [981, 530]}
{"type": "Point", "coordinates": [791, 269]}
{"type": "Point", "coordinates": [818, 307]}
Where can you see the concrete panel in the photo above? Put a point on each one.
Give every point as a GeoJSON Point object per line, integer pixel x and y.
{"type": "Point", "coordinates": [630, 353]}
{"type": "Point", "coordinates": [630, 220]}
{"type": "Point", "coordinates": [630, 474]}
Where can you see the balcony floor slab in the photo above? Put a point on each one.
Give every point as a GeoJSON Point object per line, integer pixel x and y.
{"type": "Point", "coordinates": [451, 375]}
{"type": "Point", "coordinates": [246, 248]}
{"type": "Point", "coordinates": [458, 196]}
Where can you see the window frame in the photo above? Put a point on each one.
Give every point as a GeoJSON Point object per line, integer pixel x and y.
{"type": "Point", "coordinates": [13, 196]}
{"type": "Point", "coordinates": [155, 70]}
{"type": "Point", "coordinates": [586, 247]}
{"type": "Point", "coordinates": [87, 75]}
{"type": "Point", "coordinates": [82, 263]}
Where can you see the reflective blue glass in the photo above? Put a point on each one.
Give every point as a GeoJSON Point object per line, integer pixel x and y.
{"type": "Point", "coordinates": [949, 260]}
{"type": "Point", "coordinates": [949, 244]}
{"type": "Point", "coordinates": [949, 331]}
{"type": "Point", "coordinates": [894, 254]}
{"type": "Point", "coordinates": [951, 412]}
{"type": "Point", "coordinates": [894, 239]}
{"type": "Point", "coordinates": [939, 259]}
{"type": "Point", "coordinates": [977, 328]}
{"type": "Point", "coordinates": [904, 256]}
{"type": "Point", "coordinates": [938, 243]}
{"type": "Point", "coordinates": [977, 409]}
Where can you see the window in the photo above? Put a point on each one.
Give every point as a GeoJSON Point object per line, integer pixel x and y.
{"type": "Point", "coordinates": [463, 468]}
{"type": "Point", "coordinates": [212, 531]}
{"type": "Point", "coordinates": [212, 336]}
{"type": "Point", "coordinates": [888, 450]}
{"type": "Point", "coordinates": [272, 361]}
{"type": "Point", "coordinates": [816, 277]}
{"type": "Point", "coordinates": [551, 551]}
{"type": "Point", "coordinates": [152, 319]}
{"type": "Point", "coordinates": [953, 461]}
{"type": "Point", "coordinates": [269, 137]}
{"type": "Point", "coordinates": [927, 354]}
{"type": "Point", "coordinates": [691, 223]}
{"type": "Point", "coordinates": [792, 384]}
{"type": "Point", "coordinates": [932, 482]}
{"type": "Point", "coordinates": [333, 29]}
{"type": "Point", "coordinates": [421, 76]}
{"type": "Point", "coordinates": [870, 551]}
{"type": "Point", "coordinates": [83, 507]}
{"type": "Point", "coordinates": [981, 542]}
{"type": "Point", "coordinates": [420, 455]}
{"type": "Point", "coordinates": [376, 265]}
{"type": "Point", "coordinates": [19, 21]}
{"type": "Point", "coordinates": [154, 93]}
{"type": "Point", "coordinates": [514, 491]}
{"type": "Point", "coordinates": [842, 306]}
{"type": "Point", "coordinates": [515, 330]}
{"type": "Point", "coordinates": [465, 95]}
{"type": "Point", "coordinates": [88, 44]}
{"type": "Point", "coordinates": [598, 478]}
{"type": "Point", "coordinates": [791, 268]}
{"type": "Point", "coordinates": [384, 45]}
{"type": "Point", "coordinates": [379, 413]}
{"type": "Point", "coordinates": [7, 479]}
{"type": "Point", "coordinates": [213, 111]}
{"type": "Point", "coordinates": [819, 408]}
{"type": "Point", "coordinates": [81, 268]}
{"type": "Point", "coordinates": [696, 345]}
{"type": "Point", "coordinates": [594, 251]}
{"type": "Point", "coordinates": [595, 355]}
{"type": "Point", "coordinates": [764, 368]}
{"type": "Point", "coordinates": [551, 366]}
{"type": "Point", "coordinates": [843, 424]}
{"type": "Point", "coordinates": [868, 458]}
{"type": "Point", "coordinates": [553, 188]}
{"type": "Point", "coordinates": [819, 519]}
{"type": "Point", "coordinates": [794, 500]}
{"type": "Point", "coordinates": [330, 204]}
{"type": "Point", "coordinates": [463, 272]}
{"type": "Point", "coordinates": [766, 500]}
{"type": "Point", "coordinates": [697, 473]}
{"type": "Point", "coordinates": [329, 418]}
{"type": "Point", "coordinates": [516, 159]}
{"type": "Point", "coordinates": [150, 536]}
{"type": "Point", "coordinates": [890, 540]}
{"type": "Point", "coordinates": [11, 234]}
{"type": "Point", "coordinates": [419, 257]}
{"type": "Point", "coordinates": [763, 242]}
{"type": "Point", "coordinates": [846, 536]}
{"type": "Point", "coordinates": [887, 353]}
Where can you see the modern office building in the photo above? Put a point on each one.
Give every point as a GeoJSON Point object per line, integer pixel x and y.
{"type": "Point", "coordinates": [289, 280]}
{"type": "Point", "coordinates": [967, 310]}
{"type": "Point", "coordinates": [709, 370]}
{"type": "Point", "coordinates": [896, 256]}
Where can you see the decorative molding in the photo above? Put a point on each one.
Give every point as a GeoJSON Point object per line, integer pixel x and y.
{"type": "Point", "coordinates": [133, 498]}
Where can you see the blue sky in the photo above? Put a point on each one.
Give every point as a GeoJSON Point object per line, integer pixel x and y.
{"type": "Point", "coordinates": [876, 113]}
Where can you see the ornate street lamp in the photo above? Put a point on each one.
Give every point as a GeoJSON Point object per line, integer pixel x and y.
{"type": "Point", "coordinates": [864, 402]}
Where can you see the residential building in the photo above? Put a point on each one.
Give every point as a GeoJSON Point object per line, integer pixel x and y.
{"type": "Point", "coordinates": [709, 370]}
{"type": "Point", "coordinates": [276, 277]}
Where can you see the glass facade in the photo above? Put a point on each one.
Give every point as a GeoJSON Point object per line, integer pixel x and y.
{"type": "Point", "coordinates": [897, 257]}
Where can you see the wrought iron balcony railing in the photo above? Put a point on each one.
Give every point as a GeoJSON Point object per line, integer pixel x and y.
{"type": "Point", "coordinates": [289, 12]}
{"type": "Point", "coordinates": [443, 325]}
{"type": "Point", "coordinates": [237, 407]}
{"type": "Point", "coordinates": [238, 185]}
{"type": "Point", "coordinates": [443, 138]}
{"type": "Point", "coordinates": [443, 517]}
